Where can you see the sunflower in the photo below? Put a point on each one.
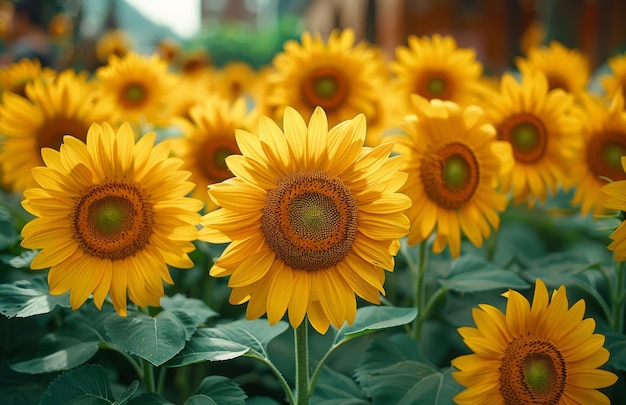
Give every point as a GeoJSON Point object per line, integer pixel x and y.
{"type": "Point", "coordinates": [454, 162]}
{"type": "Point", "coordinates": [138, 87]}
{"type": "Point", "coordinates": [114, 42]}
{"type": "Point", "coordinates": [337, 75]}
{"type": "Point", "coordinates": [616, 81]}
{"type": "Point", "coordinates": [64, 105]}
{"type": "Point", "coordinates": [604, 133]}
{"type": "Point", "coordinates": [435, 68]}
{"type": "Point", "coordinates": [313, 219]}
{"type": "Point", "coordinates": [111, 215]}
{"type": "Point", "coordinates": [235, 79]}
{"type": "Point", "coordinates": [544, 353]}
{"type": "Point", "coordinates": [615, 199]}
{"type": "Point", "coordinates": [564, 68]}
{"type": "Point", "coordinates": [208, 138]}
{"type": "Point", "coordinates": [16, 76]}
{"type": "Point", "coordinates": [543, 130]}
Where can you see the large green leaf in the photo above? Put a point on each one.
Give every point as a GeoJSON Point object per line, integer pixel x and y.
{"type": "Point", "coordinates": [217, 390]}
{"type": "Point", "coordinates": [24, 298]}
{"type": "Point", "coordinates": [194, 306]}
{"type": "Point", "coordinates": [616, 345]}
{"type": "Point", "coordinates": [149, 398]}
{"type": "Point", "coordinates": [392, 372]}
{"type": "Point", "coordinates": [228, 341]}
{"type": "Point", "coordinates": [471, 273]}
{"type": "Point", "coordinates": [8, 236]}
{"type": "Point", "coordinates": [73, 344]}
{"type": "Point", "coordinates": [85, 385]}
{"type": "Point", "coordinates": [155, 339]}
{"type": "Point", "coordinates": [372, 318]}
{"type": "Point", "coordinates": [334, 388]}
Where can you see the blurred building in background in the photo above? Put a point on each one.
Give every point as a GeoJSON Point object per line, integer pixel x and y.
{"type": "Point", "coordinates": [254, 30]}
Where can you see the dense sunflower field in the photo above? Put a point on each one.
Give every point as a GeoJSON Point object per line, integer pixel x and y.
{"type": "Point", "coordinates": [331, 228]}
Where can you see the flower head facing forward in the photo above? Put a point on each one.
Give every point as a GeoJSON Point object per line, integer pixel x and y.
{"type": "Point", "coordinates": [615, 199]}
{"type": "Point", "coordinates": [312, 218]}
{"type": "Point", "coordinates": [111, 215]}
{"type": "Point", "coordinates": [543, 353]}
{"type": "Point", "coordinates": [454, 162]}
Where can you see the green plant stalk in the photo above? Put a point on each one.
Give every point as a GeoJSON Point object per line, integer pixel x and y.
{"type": "Point", "coordinates": [619, 298]}
{"type": "Point", "coordinates": [148, 375]}
{"type": "Point", "coordinates": [420, 290]}
{"type": "Point", "coordinates": [302, 363]}
{"type": "Point", "coordinates": [277, 373]}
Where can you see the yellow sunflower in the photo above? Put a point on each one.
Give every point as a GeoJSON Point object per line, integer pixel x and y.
{"type": "Point", "coordinates": [312, 218]}
{"type": "Point", "coordinates": [544, 353]}
{"type": "Point", "coordinates": [566, 69]}
{"type": "Point", "coordinates": [208, 138]}
{"type": "Point", "coordinates": [337, 75]}
{"type": "Point", "coordinates": [111, 215]}
{"type": "Point", "coordinates": [114, 42]}
{"type": "Point", "coordinates": [604, 133]}
{"type": "Point", "coordinates": [435, 68]}
{"type": "Point", "coordinates": [616, 81]}
{"type": "Point", "coordinates": [616, 200]}
{"type": "Point", "coordinates": [16, 76]}
{"type": "Point", "coordinates": [65, 105]}
{"type": "Point", "coordinates": [138, 87]}
{"type": "Point", "coordinates": [235, 79]}
{"type": "Point", "coordinates": [454, 162]}
{"type": "Point", "coordinates": [542, 129]}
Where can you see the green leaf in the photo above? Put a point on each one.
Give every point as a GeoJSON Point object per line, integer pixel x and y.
{"type": "Point", "coordinates": [372, 318]}
{"type": "Point", "coordinates": [471, 273]}
{"type": "Point", "coordinates": [155, 339]}
{"type": "Point", "coordinates": [130, 390]}
{"type": "Point", "coordinates": [88, 384]}
{"type": "Point", "coordinates": [217, 390]}
{"type": "Point", "coordinates": [150, 398]}
{"type": "Point", "coordinates": [616, 345]}
{"type": "Point", "coordinates": [392, 372]}
{"type": "Point", "coordinates": [24, 298]}
{"type": "Point", "coordinates": [8, 235]}
{"type": "Point", "coordinates": [194, 306]}
{"type": "Point", "coordinates": [334, 388]}
{"type": "Point", "coordinates": [204, 347]}
{"type": "Point", "coordinates": [19, 262]}
{"type": "Point", "coordinates": [228, 341]}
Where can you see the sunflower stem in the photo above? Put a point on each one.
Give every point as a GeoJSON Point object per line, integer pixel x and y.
{"type": "Point", "coordinates": [619, 298]}
{"type": "Point", "coordinates": [302, 363]}
{"type": "Point", "coordinates": [148, 375]}
{"type": "Point", "coordinates": [420, 290]}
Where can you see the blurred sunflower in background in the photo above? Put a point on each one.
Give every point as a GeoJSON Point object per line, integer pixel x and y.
{"type": "Point", "coordinates": [337, 75]}
{"type": "Point", "coordinates": [454, 162]}
{"type": "Point", "coordinates": [312, 218]}
{"type": "Point", "coordinates": [544, 353]}
{"type": "Point", "coordinates": [615, 82]}
{"type": "Point", "coordinates": [15, 76]}
{"type": "Point", "coordinates": [208, 138]}
{"type": "Point", "coordinates": [616, 200]}
{"type": "Point", "coordinates": [138, 88]}
{"type": "Point", "coordinates": [433, 67]}
{"type": "Point", "coordinates": [604, 137]}
{"type": "Point", "coordinates": [565, 68]}
{"type": "Point", "coordinates": [111, 216]}
{"type": "Point", "coordinates": [114, 42]}
{"type": "Point", "coordinates": [543, 131]}
{"type": "Point", "coordinates": [63, 105]}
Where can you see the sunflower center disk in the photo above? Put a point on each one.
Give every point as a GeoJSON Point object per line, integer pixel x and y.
{"type": "Point", "coordinates": [217, 149]}
{"type": "Point", "coordinates": [326, 87]}
{"type": "Point", "coordinates": [52, 131]}
{"type": "Point", "coordinates": [310, 220]}
{"type": "Point", "coordinates": [436, 87]}
{"type": "Point", "coordinates": [450, 175]}
{"type": "Point", "coordinates": [135, 93]}
{"type": "Point", "coordinates": [528, 137]}
{"type": "Point", "coordinates": [112, 221]}
{"type": "Point", "coordinates": [533, 370]}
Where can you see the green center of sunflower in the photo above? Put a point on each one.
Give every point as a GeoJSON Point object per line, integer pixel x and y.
{"type": "Point", "coordinates": [527, 135]}
{"type": "Point", "coordinates": [310, 220]}
{"type": "Point", "coordinates": [326, 86]}
{"type": "Point", "coordinates": [212, 155]}
{"type": "Point", "coordinates": [134, 92]}
{"type": "Point", "coordinates": [113, 220]}
{"type": "Point", "coordinates": [456, 171]}
{"type": "Point", "coordinates": [612, 155]}
{"type": "Point", "coordinates": [110, 215]}
{"type": "Point", "coordinates": [533, 371]}
{"type": "Point", "coordinates": [450, 175]}
{"type": "Point", "coordinates": [436, 86]}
